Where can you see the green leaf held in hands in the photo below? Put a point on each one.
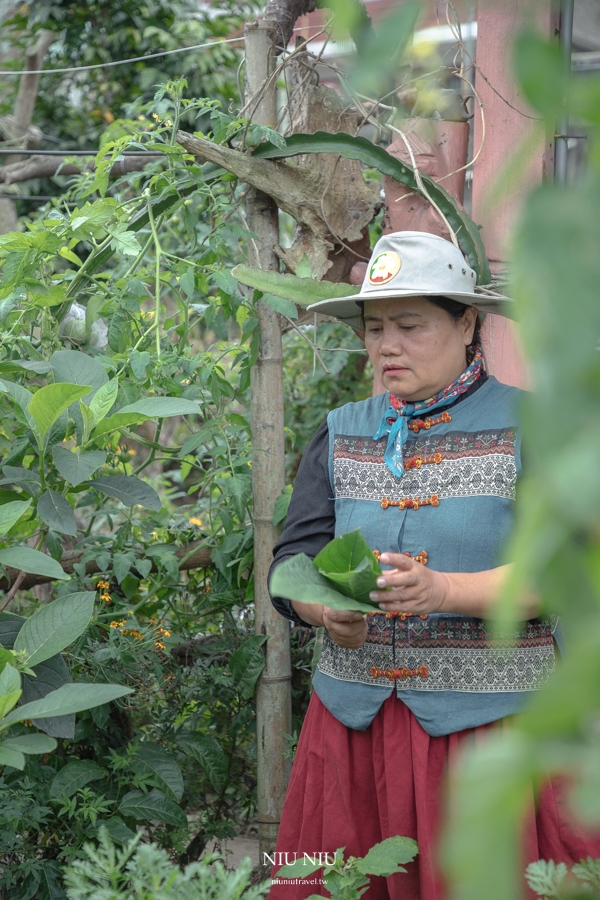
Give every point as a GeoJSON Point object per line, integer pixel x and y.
{"type": "Point", "coordinates": [341, 576]}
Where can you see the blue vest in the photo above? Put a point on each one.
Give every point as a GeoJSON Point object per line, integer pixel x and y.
{"type": "Point", "coordinates": [453, 510]}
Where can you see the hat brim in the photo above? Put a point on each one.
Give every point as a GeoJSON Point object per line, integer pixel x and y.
{"type": "Point", "coordinates": [347, 310]}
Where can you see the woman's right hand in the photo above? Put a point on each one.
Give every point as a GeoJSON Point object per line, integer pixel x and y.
{"type": "Point", "coordinates": [344, 626]}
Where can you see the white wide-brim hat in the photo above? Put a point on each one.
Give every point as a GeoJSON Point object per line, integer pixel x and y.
{"type": "Point", "coordinates": [414, 264]}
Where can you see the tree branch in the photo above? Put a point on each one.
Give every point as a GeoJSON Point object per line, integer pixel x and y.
{"type": "Point", "coordinates": [48, 166]}
{"type": "Point", "coordinates": [196, 556]}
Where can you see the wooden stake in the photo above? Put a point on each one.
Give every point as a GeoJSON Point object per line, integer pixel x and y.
{"type": "Point", "coordinates": [273, 702]}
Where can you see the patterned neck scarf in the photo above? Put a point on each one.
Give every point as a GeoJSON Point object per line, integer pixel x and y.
{"type": "Point", "coordinates": [395, 419]}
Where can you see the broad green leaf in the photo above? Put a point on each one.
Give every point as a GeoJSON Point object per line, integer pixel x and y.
{"type": "Point", "coordinates": [386, 857]}
{"type": "Point", "coordinates": [300, 868]}
{"type": "Point", "coordinates": [138, 360]}
{"type": "Point", "coordinates": [10, 625]}
{"type": "Point", "coordinates": [281, 305]}
{"type": "Point", "coordinates": [533, 55]}
{"type": "Point", "coordinates": [10, 689]}
{"type": "Point", "coordinates": [21, 396]}
{"type": "Point", "coordinates": [6, 656]}
{"type": "Point", "coordinates": [74, 776]}
{"type": "Point", "coordinates": [49, 676]}
{"type": "Point", "coordinates": [247, 663]}
{"type": "Point", "coordinates": [129, 490]}
{"type": "Point", "coordinates": [282, 504]}
{"type": "Point", "coordinates": [209, 753]}
{"type": "Point", "coordinates": [151, 760]}
{"type": "Point", "coordinates": [376, 157]}
{"type": "Point", "coordinates": [301, 291]}
{"type": "Point", "coordinates": [77, 467]}
{"type": "Point", "coordinates": [10, 513]}
{"type": "Point", "coordinates": [50, 401]}
{"type": "Point", "coordinates": [298, 579]}
{"type": "Point", "coordinates": [76, 367]}
{"type": "Point", "coordinates": [24, 478]}
{"type": "Point", "coordinates": [52, 874]}
{"type": "Point", "coordinates": [70, 698]}
{"type": "Point", "coordinates": [12, 758]}
{"type": "Point", "coordinates": [162, 407]}
{"type": "Point", "coordinates": [87, 421]}
{"type": "Point", "coordinates": [117, 829]}
{"type": "Point", "coordinates": [55, 511]}
{"type": "Point", "coordinates": [8, 701]}
{"type": "Point", "coordinates": [154, 805]}
{"type": "Point", "coordinates": [32, 744]}
{"type": "Point", "coordinates": [104, 399]}
{"type": "Point", "coordinates": [126, 242]}
{"type": "Point", "coordinates": [119, 420]}
{"type": "Point", "coordinates": [9, 496]}
{"type": "Point", "coordinates": [239, 488]}
{"type": "Point", "coordinates": [54, 626]}
{"type": "Point", "coordinates": [25, 559]}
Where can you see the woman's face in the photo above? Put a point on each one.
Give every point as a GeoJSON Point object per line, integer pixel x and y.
{"type": "Point", "coordinates": [416, 348]}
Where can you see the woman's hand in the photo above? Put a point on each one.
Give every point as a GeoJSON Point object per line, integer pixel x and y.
{"type": "Point", "coordinates": [411, 587]}
{"type": "Point", "coordinates": [345, 627]}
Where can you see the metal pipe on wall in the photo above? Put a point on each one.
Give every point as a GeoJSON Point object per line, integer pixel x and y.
{"type": "Point", "coordinates": [562, 140]}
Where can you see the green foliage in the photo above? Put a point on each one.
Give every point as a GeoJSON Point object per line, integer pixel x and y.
{"type": "Point", "coordinates": [48, 631]}
{"type": "Point", "coordinates": [145, 872]}
{"type": "Point", "coordinates": [340, 577]}
{"type": "Point", "coordinates": [302, 291]}
{"type": "Point", "coordinates": [554, 881]}
{"type": "Point", "coordinates": [347, 879]}
{"type": "Point", "coordinates": [555, 547]}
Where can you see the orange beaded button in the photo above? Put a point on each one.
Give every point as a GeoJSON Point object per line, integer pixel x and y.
{"type": "Point", "coordinates": [415, 462]}
{"type": "Point", "coordinates": [404, 672]}
{"type": "Point", "coordinates": [420, 424]}
{"type": "Point", "coordinates": [411, 503]}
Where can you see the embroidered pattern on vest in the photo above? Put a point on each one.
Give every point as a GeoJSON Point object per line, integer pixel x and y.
{"type": "Point", "coordinates": [472, 464]}
{"type": "Point", "coordinates": [458, 654]}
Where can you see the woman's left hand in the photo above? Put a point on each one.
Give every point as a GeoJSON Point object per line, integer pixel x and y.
{"type": "Point", "coordinates": [411, 587]}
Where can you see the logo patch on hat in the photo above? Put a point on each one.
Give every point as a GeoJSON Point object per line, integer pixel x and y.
{"type": "Point", "coordinates": [384, 267]}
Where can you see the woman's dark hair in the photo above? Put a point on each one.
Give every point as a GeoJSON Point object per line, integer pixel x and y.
{"type": "Point", "coordinates": [456, 311]}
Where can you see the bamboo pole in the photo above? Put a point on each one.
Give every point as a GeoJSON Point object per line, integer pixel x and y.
{"type": "Point", "coordinates": [273, 701]}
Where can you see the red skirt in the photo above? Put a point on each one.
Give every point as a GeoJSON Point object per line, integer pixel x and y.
{"type": "Point", "coordinates": [345, 791]}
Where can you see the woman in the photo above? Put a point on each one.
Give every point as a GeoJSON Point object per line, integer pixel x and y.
{"type": "Point", "coordinates": [427, 471]}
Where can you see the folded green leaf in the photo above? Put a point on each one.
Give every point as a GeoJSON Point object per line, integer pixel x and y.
{"type": "Point", "coordinates": [298, 579]}
{"type": "Point", "coordinates": [349, 563]}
